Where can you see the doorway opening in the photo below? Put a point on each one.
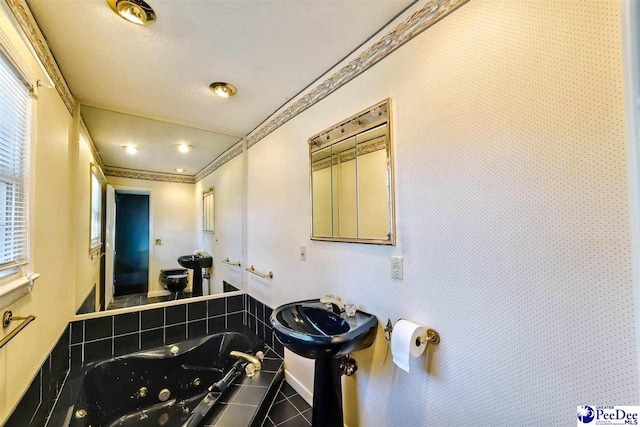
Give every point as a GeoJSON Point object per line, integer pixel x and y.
{"type": "Point", "coordinates": [131, 258]}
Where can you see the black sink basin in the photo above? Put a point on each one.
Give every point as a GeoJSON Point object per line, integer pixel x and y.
{"type": "Point", "coordinates": [196, 263]}
{"type": "Point", "coordinates": [311, 330]}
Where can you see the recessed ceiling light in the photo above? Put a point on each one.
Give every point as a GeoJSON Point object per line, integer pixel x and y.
{"type": "Point", "coordinates": [222, 89]}
{"type": "Point", "coordinates": [184, 148]}
{"type": "Point", "coordinates": [135, 11]}
{"type": "Point", "coordinates": [130, 149]}
{"type": "Point", "coordinates": [179, 170]}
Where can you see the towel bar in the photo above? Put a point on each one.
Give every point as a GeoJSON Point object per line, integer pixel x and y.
{"type": "Point", "coordinates": [269, 275]}
{"type": "Point", "coordinates": [235, 264]}
{"type": "Point", "coordinates": [7, 318]}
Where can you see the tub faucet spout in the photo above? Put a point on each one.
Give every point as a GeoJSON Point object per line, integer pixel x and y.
{"type": "Point", "coordinates": [248, 357]}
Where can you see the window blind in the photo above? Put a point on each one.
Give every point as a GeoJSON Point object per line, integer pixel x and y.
{"type": "Point", "coordinates": [14, 151]}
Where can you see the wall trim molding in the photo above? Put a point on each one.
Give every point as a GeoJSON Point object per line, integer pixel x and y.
{"type": "Point", "coordinates": [148, 176]}
{"type": "Point", "coordinates": [31, 30]}
{"type": "Point", "coordinates": [228, 155]}
{"type": "Point", "coordinates": [297, 386]}
{"type": "Point", "coordinates": [432, 12]}
{"type": "Point", "coordinates": [92, 146]}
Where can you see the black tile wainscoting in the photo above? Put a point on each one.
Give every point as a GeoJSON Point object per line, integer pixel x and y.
{"type": "Point", "coordinates": [228, 287]}
{"type": "Point", "coordinates": [89, 303]}
{"type": "Point", "coordinates": [104, 337]}
{"type": "Point", "coordinates": [257, 320]}
{"type": "Point", "coordinates": [40, 397]}
{"type": "Point", "coordinates": [113, 335]}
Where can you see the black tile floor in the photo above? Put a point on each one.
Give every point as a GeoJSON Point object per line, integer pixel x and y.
{"type": "Point", "coordinates": [289, 409]}
{"type": "Point", "coordinates": [135, 300]}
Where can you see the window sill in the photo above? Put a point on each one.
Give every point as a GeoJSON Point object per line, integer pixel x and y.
{"type": "Point", "coordinates": [95, 250]}
{"type": "Point", "coordinates": [15, 290]}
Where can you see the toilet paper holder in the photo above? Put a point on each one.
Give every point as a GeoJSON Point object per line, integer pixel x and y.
{"type": "Point", "coordinates": [433, 337]}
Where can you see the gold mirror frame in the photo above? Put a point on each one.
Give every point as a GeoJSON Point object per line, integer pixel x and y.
{"type": "Point", "coordinates": [208, 214]}
{"type": "Point", "coordinates": [375, 116]}
{"type": "Point", "coordinates": [94, 169]}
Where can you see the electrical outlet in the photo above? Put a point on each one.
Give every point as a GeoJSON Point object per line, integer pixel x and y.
{"type": "Point", "coordinates": [303, 253]}
{"type": "Point", "coordinates": [396, 267]}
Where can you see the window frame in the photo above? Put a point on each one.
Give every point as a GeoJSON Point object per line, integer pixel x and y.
{"type": "Point", "coordinates": [95, 247]}
{"type": "Point", "coordinates": [20, 281]}
{"type": "Point", "coordinates": [10, 274]}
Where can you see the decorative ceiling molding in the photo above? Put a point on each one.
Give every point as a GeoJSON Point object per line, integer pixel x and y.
{"type": "Point", "coordinates": [431, 13]}
{"type": "Point", "coordinates": [148, 176]}
{"type": "Point", "coordinates": [228, 155]}
{"type": "Point", "coordinates": [377, 144]}
{"type": "Point", "coordinates": [30, 27]}
{"type": "Point", "coordinates": [92, 146]}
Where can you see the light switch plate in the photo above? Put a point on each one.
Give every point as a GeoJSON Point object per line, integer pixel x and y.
{"type": "Point", "coordinates": [303, 253]}
{"type": "Point", "coordinates": [396, 267]}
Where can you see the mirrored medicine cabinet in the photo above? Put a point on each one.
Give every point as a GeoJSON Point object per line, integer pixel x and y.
{"type": "Point", "coordinates": [351, 175]}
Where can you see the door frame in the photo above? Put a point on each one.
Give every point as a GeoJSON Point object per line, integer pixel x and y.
{"type": "Point", "coordinates": [125, 189]}
{"type": "Point", "coordinates": [630, 13]}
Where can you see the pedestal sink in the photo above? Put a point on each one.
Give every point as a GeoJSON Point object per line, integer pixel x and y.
{"type": "Point", "coordinates": [196, 263]}
{"type": "Point", "coordinates": [312, 330]}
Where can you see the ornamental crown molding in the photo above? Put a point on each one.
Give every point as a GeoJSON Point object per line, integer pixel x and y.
{"type": "Point", "coordinates": [31, 30]}
{"type": "Point", "coordinates": [432, 12]}
{"type": "Point", "coordinates": [377, 144]}
{"type": "Point", "coordinates": [148, 176]}
{"type": "Point", "coordinates": [225, 157]}
{"type": "Point", "coordinates": [228, 155]}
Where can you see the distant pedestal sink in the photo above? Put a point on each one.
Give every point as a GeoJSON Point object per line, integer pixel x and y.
{"type": "Point", "coordinates": [311, 330]}
{"type": "Point", "coordinates": [196, 263]}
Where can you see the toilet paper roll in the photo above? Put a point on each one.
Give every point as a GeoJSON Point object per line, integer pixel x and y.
{"type": "Point", "coordinates": [403, 342]}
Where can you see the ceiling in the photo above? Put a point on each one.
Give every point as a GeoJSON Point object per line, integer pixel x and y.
{"type": "Point", "coordinates": [156, 141]}
{"type": "Point", "coordinates": [269, 49]}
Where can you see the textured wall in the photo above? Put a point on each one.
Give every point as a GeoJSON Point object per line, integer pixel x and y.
{"type": "Point", "coordinates": [512, 220]}
{"type": "Point", "coordinates": [226, 242]}
{"type": "Point", "coordinates": [53, 253]}
{"type": "Point", "coordinates": [173, 219]}
{"type": "Point", "coordinates": [87, 269]}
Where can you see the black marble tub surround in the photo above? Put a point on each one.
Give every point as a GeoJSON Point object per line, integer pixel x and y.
{"type": "Point", "coordinates": [246, 402]}
{"type": "Point", "coordinates": [39, 399]}
{"type": "Point", "coordinates": [103, 337]}
{"type": "Point", "coordinates": [182, 371]}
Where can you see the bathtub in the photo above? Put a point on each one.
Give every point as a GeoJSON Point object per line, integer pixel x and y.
{"type": "Point", "coordinates": [156, 387]}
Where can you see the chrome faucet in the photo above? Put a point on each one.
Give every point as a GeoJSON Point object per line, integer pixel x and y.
{"type": "Point", "coordinates": [254, 360]}
{"type": "Point", "coordinates": [333, 303]}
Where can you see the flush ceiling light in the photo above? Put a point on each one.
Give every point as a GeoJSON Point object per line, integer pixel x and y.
{"type": "Point", "coordinates": [222, 89]}
{"type": "Point", "coordinates": [179, 170]}
{"type": "Point", "coordinates": [130, 149]}
{"type": "Point", "coordinates": [135, 11]}
{"type": "Point", "coordinates": [184, 148]}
